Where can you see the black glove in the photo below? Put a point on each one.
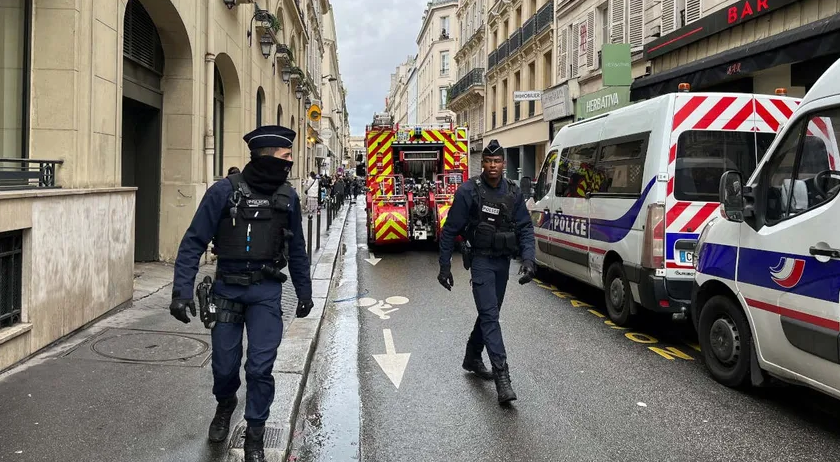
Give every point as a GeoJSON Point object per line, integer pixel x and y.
{"type": "Point", "coordinates": [528, 270]}
{"type": "Point", "coordinates": [445, 277]}
{"type": "Point", "coordinates": [303, 308]}
{"type": "Point", "coordinates": [178, 309]}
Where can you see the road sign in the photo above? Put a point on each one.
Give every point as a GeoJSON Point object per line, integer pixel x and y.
{"type": "Point", "coordinates": [314, 113]}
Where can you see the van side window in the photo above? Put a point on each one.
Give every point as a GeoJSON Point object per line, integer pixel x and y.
{"type": "Point", "coordinates": [576, 172]}
{"type": "Point", "coordinates": [546, 175]}
{"type": "Point", "coordinates": [799, 175]}
{"type": "Point", "coordinates": [622, 164]}
{"type": "Point", "coordinates": [703, 156]}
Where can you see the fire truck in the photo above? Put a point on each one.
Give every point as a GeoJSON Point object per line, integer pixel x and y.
{"type": "Point", "coordinates": [412, 175]}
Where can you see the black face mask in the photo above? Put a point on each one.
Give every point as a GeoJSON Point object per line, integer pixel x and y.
{"type": "Point", "coordinates": [266, 173]}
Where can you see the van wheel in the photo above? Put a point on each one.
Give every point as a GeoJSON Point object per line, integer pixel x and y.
{"type": "Point", "coordinates": [618, 296]}
{"type": "Point", "coordinates": [725, 340]}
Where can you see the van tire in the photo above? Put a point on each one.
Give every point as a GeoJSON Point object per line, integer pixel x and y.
{"type": "Point", "coordinates": [619, 298]}
{"type": "Point", "coordinates": [726, 341]}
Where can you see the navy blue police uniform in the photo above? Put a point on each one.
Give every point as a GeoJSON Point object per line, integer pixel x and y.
{"type": "Point", "coordinates": [497, 228]}
{"type": "Point", "coordinates": [251, 251]}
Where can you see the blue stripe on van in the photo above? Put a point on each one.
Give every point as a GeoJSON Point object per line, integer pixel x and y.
{"type": "Point", "coordinates": [616, 230]}
{"type": "Point", "coordinates": [718, 260]}
{"type": "Point", "coordinates": [672, 238]}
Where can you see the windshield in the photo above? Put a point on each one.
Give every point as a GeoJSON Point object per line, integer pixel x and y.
{"type": "Point", "coordinates": [703, 156]}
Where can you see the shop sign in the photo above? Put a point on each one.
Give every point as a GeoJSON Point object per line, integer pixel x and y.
{"type": "Point", "coordinates": [602, 101]}
{"type": "Point", "coordinates": [527, 95]}
{"type": "Point", "coordinates": [616, 64]}
{"type": "Point", "coordinates": [556, 103]}
{"type": "Point", "coordinates": [725, 18]}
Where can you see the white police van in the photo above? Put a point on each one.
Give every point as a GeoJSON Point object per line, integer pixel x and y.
{"type": "Point", "coordinates": [621, 198]}
{"type": "Point", "coordinates": [767, 288]}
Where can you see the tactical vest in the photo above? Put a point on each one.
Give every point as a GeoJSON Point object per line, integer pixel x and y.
{"type": "Point", "coordinates": [492, 229]}
{"type": "Point", "coordinates": [256, 226]}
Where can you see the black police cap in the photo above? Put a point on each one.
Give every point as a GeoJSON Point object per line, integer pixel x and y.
{"type": "Point", "coordinates": [493, 149]}
{"type": "Point", "coordinates": [270, 136]}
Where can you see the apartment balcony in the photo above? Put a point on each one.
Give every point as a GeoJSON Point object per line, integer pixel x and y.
{"type": "Point", "coordinates": [467, 92]}
{"type": "Point", "coordinates": [492, 59]}
{"type": "Point", "coordinates": [515, 42]}
{"type": "Point", "coordinates": [533, 27]}
{"type": "Point", "coordinates": [545, 17]}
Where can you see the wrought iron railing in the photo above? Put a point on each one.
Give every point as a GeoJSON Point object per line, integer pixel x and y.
{"type": "Point", "coordinates": [473, 78]}
{"type": "Point", "coordinates": [545, 16]}
{"type": "Point", "coordinates": [502, 52]}
{"type": "Point", "coordinates": [27, 173]}
{"type": "Point", "coordinates": [529, 29]}
{"type": "Point", "coordinates": [516, 111]}
{"type": "Point", "coordinates": [492, 59]}
{"type": "Point", "coordinates": [11, 274]}
{"type": "Point", "coordinates": [515, 41]}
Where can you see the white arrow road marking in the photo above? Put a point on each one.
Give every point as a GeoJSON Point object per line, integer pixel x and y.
{"type": "Point", "coordinates": [393, 364]}
{"type": "Point", "coordinates": [372, 259]}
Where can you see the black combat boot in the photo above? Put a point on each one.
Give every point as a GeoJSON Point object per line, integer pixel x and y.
{"type": "Point", "coordinates": [220, 426]}
{"type": "Point", "coordinates": [254, 444]}
{"type": "Point", "coordinates": [503, 388]}
{"type": "Point", "coordinates": [474, 364]}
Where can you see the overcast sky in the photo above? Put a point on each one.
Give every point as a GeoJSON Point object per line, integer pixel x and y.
{"type": "Point", "coordinates": [374, 36]}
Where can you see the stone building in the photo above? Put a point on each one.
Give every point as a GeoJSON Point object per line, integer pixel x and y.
{"type": "Point", "coordinates": [142, 104]}
{"type": "Point", "coordinates": [437, 43]}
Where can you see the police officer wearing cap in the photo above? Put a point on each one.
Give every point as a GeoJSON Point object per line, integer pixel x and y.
{"type": "Point", "coordinates": [254, 221]}
{"type": "Point", "coordinates": [489, 211]}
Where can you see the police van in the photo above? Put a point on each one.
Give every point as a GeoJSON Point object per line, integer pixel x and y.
{"type": "Point", "coordinates": [767, 288]}
{"type": "Point", "coordinates": [621, 197]}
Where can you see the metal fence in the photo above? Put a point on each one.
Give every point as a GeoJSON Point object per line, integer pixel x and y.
{"type": "Point", "coordinates": [27, 173]}
{"type": "Point", "coordinates": [11, 274]}
{"type": "Point", "coordinates": [545, 16]}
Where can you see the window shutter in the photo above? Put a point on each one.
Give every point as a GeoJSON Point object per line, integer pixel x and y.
{"type": "Point", "coordinates": [617, 8]}
{"type": "Point", "coordinates": [590, 40]}
{"type": "Point", "coordinates": [575, 50]}
{"type": "Point", "coordinates": [636, 23]}
{"type": "Point", "coordinates": [669, 16]}
{"type": "Point", "coordinates": [693, 9]}
{"type": "Point", "coordinates": [562, 53]}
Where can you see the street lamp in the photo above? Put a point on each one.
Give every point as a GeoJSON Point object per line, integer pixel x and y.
{"type": "Point", "coordinates": [230, 4]}
{"type": "Point", "coordinates": [307, 102]}
{"type": "Point", "coordinates": [286, 75]}
{"type": "Point", "coordinates": [265, 44]}
{"type": "Point", "coordinates": [299, 92]}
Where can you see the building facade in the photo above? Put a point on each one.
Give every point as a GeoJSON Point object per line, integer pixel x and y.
{"type": "Point", "coordinates": [411, 96]}
{"type": "Point", "coordinates": [520, 35]}
{"type": "Point", "coordinates": [396, 103]}
{"type": "Point", "coordinates": [142, 104]}
{"type": "Point", "coordinates": [742, 46]}
{"type": "Point", "coordinates": [437, 44]}
{"type": "Point", "coordinates": [466, 96]}
{"type": "Point", "coordinates": [334, 124]}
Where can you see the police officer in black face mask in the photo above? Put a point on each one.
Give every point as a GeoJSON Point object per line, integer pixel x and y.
{"type": "Point", "coordinates": [489, 211]}
{"type": "Point", "coordinates": [254, 220]}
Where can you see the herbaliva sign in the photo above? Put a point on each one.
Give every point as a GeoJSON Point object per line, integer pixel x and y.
{"type": "Point", "coordinates": [601, 101]}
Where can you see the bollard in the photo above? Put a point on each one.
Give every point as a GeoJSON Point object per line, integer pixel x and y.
{"type": "Point", "coordinates": [318, 232]}
{"type": "Point", "coordinates": [329, 213]}
{"type": "Point", "coordinates": [309, 237]}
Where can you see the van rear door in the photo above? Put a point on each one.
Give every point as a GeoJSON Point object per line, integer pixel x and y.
{"type": "Point", "coordinates": [711, 133]}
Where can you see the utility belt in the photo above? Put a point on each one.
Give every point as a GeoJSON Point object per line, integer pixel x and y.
{"type": "Point", "coordinates": [247, 278]}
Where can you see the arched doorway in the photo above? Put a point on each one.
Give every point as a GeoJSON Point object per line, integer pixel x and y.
{"type": "Point", "coordinates": [229, 134]}
{"type": "Point", "coordinates": [218, 123]}
{"type": "Point", "coordinates": [143, 68]}
{"type": "Point", "coordinates": [260, 105]}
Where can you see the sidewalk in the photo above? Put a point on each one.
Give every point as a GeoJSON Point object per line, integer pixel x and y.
{"type": "Point", "coordinates": [136, 384]}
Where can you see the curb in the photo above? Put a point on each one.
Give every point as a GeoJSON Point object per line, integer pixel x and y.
{"type": "Point", "coordinates": [295, 354]}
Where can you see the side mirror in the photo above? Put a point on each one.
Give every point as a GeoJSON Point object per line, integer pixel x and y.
{"type": "Point", "coordinates": [732, 196]}
{"type": "Point", "coordinates": [526, 187]}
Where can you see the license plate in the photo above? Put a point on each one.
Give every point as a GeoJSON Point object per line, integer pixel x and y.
{"type": "Point", "coordinates": [686, 256]}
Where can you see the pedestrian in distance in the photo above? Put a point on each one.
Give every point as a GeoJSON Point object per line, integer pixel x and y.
{"type": "Point", "coordinates": [311, 190]}
{"type": "Point", "coordinates": [254, 221]}
{"type": "Point", "coordinates": [489, 212]}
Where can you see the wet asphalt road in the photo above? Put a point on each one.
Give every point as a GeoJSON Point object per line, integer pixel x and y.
{"type": "Point", "coordinates": [588, 391]}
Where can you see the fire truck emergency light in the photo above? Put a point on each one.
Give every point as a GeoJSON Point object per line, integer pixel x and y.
{"type": "Point", "coordinates": [781, 92]}
{"type": "Point", "coordinates": [685, 87]}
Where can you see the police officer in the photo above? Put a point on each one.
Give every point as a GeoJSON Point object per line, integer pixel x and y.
{"type": "Point", "coordinates": [489, 211]}
{"type": "Point", "coordinates": [254, 220]}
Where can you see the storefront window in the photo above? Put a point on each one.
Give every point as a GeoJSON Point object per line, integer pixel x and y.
{"type": "Point", "coordinates": [14, 92]}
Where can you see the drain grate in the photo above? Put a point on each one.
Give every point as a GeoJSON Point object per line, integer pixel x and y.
{"type": "Point", "coordinates": [272, 439]}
